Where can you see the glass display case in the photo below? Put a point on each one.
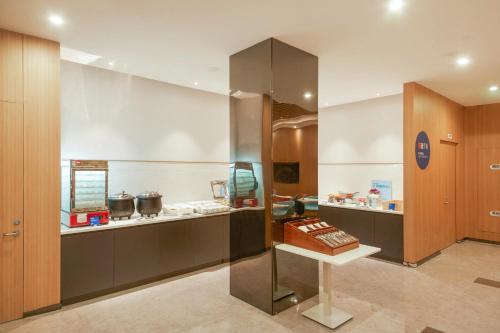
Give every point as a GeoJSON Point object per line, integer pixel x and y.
{"type": "Point", "coordinates": [84, 192]}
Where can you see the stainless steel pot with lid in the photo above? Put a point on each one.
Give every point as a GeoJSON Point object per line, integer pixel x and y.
{"type": "Point", "coordinates": [149, 194]}
{"type": "Point", "coordinates": [149, 203]}
{"type": "Point", "coordinates": [121, 196]}
{"type": "Point", "coordinates": [121, 205]}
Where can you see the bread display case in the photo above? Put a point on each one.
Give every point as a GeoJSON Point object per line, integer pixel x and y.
{"type": "Point", "coordinates": [84, 192]}
{"type": "Point", "coordinates": [315, 235]}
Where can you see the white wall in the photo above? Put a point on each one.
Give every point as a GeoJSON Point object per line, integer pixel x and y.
{"type": "Point", "coordinates": [157, 136]}
{"type": "Point", "coordinates": [173, 139]}
{"type": "Point", "coordinates": [360, 142]}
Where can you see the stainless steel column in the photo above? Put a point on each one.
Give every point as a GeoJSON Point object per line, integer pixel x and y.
{"type": "Point", "coordinates": [273, 115]}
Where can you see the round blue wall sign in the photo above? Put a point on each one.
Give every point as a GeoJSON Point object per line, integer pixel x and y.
{"type": "Point", "coordinates": [422, 150]}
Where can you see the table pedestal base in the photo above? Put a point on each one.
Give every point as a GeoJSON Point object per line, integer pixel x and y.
{"type": "Point", "coordinates": [331, 318]}
{"type": "Point", "coordinates": [324, 313]}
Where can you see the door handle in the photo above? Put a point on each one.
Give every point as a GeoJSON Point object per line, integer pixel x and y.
{"type": "Point", "coordinates": [12, 234]}
{"type": "Point", "coordinates": [495, 167]}
{"type": "Point", "coordinates": [446, 202]}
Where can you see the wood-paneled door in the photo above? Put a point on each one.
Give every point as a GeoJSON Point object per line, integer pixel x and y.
{"type": "Point", "coordinates": [445, 231]}
{"type": "Point", "coordinates": [11, 211]}
{"type": "Point", "coordinates": [488, 190]}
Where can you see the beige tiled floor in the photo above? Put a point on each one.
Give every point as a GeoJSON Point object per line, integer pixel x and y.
{"type": "Point", "coordinates": [383, 297]}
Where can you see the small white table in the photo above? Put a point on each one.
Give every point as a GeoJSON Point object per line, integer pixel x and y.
{"type": "Point", "coordinates": [324, 313]}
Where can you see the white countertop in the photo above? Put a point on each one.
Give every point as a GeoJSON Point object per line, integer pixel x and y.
{"type": "Point", "coordinates": [364, 208]}
{"type": "Point", "coordinates": [137, 220]}
{"type": "Point", "coordinates": [338, 260]}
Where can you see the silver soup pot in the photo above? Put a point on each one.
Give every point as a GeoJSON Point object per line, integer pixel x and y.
{"type": "Point", "coordinates": [121, 205]}
{"type": "Point", "coordinates": [149, 203]}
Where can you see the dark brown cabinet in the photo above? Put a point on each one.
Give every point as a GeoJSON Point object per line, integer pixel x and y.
{"type": "Point", "coordinates": [209, 239]}
{"type": "Point", "coordinates": [383, 230]}
{"type": "Point", "coordinates": [247, 234]}
{"type": "Point", "coordinates": [100, 262]}
{"type": "Point", "coordinates": [86, 263]}
{"type": "Point", "coordinates": [388, 235]}
{"type": "Point", "coordinates": [137, 254]}
{"type": "Point", "coordinates": [354, 222]}
{"type": "Point", "coordinates": [176, 245]}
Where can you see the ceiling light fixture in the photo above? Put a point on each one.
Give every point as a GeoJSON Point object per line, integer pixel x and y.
{"type": "Point", "coordinates": [463, 61]}
{"type": "Point", "coordinates": [396, 5]}
{"type": "Point", "coordinates": [195, 83]}
{"type": "Point", "coordinates": [307, 95]}
{"type": "Point", "coordinates": [494, 88]}
{"type": "Point", "coordinates": [377, 94]}
{"type": "Point", "coordinates": [56, 20]}
{"type": "Point", "coordinates": [111, 63]}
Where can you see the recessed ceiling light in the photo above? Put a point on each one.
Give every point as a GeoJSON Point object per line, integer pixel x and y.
{"type": "Point", "coordinates": [307, 95]}
{"type": "Point", "coordinates": [494, 88]}
{"type": "Point", "coordinates": [111, 63]}
{"type": "Point", "coordinates": [377, 94]}
{"type": "Point", "coordinates": [56, 20]}
{"type": "Point", "coordinates": [195, 83]}
{"type": "Point", "coordinates": [396, 5]}
{"type": "Point", "coordinates": [463, 61]}
{"type": "Point", "coordinates": [326, 104]}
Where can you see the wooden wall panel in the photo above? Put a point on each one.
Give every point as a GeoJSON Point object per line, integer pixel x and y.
{"type": "Point", "coordinates": [41, 173]}
{"type": "Point", "coordinates": [294, 145]}
{"type": "Point", "coordinates": [482, 146]}
{"type": "Point", "coordinates": [426, 110]}
{"type": "Point", "coordinates": [11, 67]}
{"type": "Point", "coordinates": [11, 197]}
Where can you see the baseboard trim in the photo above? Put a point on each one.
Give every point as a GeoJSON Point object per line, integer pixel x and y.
{"type": "Point", "coordinates": [423, 261]}
{"type": "Point", "coordinates": [482, 240]}
{"type": "Point", "coordinates": [42, 310]}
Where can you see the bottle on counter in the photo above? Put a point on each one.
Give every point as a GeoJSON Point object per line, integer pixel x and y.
{"type": "Point", "coordinates": [374, 200]}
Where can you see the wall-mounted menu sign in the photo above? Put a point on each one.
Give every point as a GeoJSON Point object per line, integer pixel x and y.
{"type": "Point", "coordinates": [385, 188]}
{"type": "Point", "coordinates": [422, 150]}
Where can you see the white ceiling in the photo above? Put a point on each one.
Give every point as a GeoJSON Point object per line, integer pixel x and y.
{"type": "Point", "coordinates": [363, 49]}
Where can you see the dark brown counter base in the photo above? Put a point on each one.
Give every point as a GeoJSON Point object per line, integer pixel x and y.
{"type": "Point", "coordinates": [101, 262]}
{"type": "Point", "coordinates": [371, 228]}
{"type": "Point", "coordinates": [104, 292]}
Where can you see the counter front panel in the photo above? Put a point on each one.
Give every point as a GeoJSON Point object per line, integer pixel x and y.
{"type": "Point", "coordinates": [108, 260]}
{"type": "Point", "coordinates": [371, 227]}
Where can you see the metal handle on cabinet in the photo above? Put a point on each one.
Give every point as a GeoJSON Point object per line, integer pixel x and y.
{"type": "Point", "coordinates": [495, 213]}
{"type": "Point", "coordinates": [13, 233]}
{"type": "Point", "coordinates": [446, 202]}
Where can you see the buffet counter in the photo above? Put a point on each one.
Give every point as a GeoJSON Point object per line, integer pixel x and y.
{"type": "Point", "coordinates": [374, 227]}
{"type": "Point", "coordinates": [102, 259]}
{"type": "Point", "coordinates": [137, 220]}
{"type": "Point", "coordinates": [363, 208]}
